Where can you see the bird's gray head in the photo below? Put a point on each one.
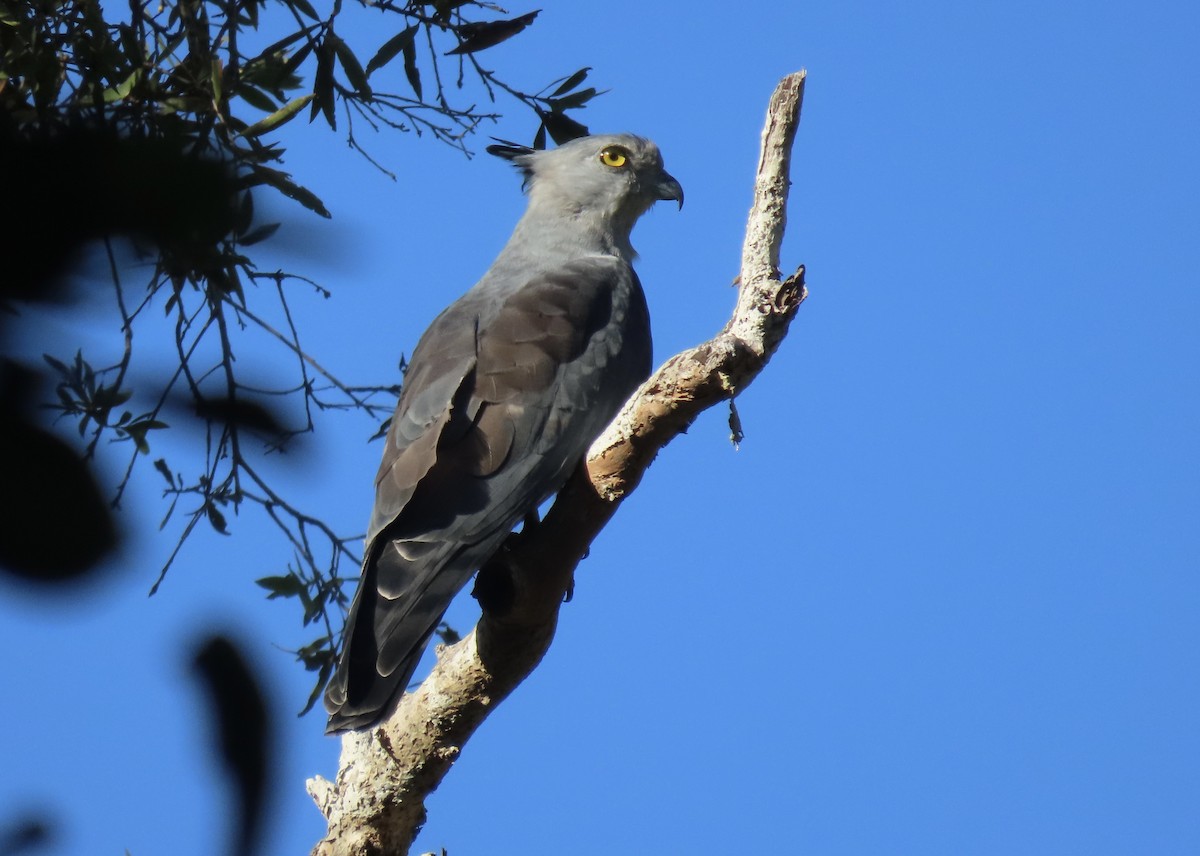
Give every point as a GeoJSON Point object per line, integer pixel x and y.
{"type": "Point", "coordinates": [615, 177]}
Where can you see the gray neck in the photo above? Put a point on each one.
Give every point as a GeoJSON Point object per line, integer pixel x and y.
{"type": "Point", "coordinates": [557, 231]}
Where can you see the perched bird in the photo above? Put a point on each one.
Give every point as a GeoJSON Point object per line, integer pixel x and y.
{"type": "Point", "coordinates": [503, 395]}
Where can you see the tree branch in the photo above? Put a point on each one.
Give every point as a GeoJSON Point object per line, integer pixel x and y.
{"type": "Point", "coordinates": [377, 804]}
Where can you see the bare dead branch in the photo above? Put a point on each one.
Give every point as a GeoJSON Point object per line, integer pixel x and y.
{"type": "Point", "coordinates": [377, 803]}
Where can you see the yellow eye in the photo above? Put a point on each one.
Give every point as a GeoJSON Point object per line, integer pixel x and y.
{"type": "Point", "coordinates": [613, 157]}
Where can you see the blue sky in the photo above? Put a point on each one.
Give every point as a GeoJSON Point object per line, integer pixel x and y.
{"type": "Point", "coordinates": [945, 597]}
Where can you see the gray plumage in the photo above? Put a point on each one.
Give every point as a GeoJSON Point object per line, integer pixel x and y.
{"type": "Point", "coordinates": [504, 394]}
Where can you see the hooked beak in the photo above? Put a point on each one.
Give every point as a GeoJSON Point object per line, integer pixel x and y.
{"type": "Point", "coordinates": [668, 188]}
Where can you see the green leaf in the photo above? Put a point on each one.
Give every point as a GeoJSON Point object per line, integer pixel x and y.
{"type": "Point", "coordinates": [290, 189]}
{"type": "Point", "coordinates": [121, 91]}
{"type": "Point", "coordinates": [350, 65]}
{"type": "Point", "coordinates": [183, 105]}
{"type": "Point", "coordinates": [572, 81]}
{"type": "Point", "coordinates": [390, 48]}
{"type": "Point", "coordinates": [216, 80]}
{"type": "Point", "coordinates": [256, 98]}
{"type": "Point", "coordinates": [280, 117]}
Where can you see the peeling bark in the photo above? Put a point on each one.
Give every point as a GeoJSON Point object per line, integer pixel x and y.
{"type": "Point", "coordinates": [377, 804]}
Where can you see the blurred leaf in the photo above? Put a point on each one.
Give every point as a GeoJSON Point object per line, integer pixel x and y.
{"type": "Point", "coordinates": [447, 634]}
{"type": "Point", "coordinates": [245, 213]}
{"type": "Point", "coordinates": [106, 397]}
{"type": "Point", "coordinates": [228, 410]}
{"type": "Point", "coordinates": [260, 234]}
{"type": "Point", "coordinates": [287, 586]}
{"type": "Point", "coordinates": [161, 466]}
{"type": "Point", "coordinates": [28, 833]}
{"type": "Point", "coordinates": [215, 78]}
{"type": "Point", "coordinates": [315, 654]}
{"type": "Point", "coordinates": [57, 365]}
{"type": "Point", "coordinates": [137, 432]}
{"type": "Point", "coordinates": [314, 607]}
{"type": "Point", "coordinates": [243, 730]}
{"type": "Point", "coordinates": [390, 48]}
{"type": "Point", "coordinates": [325, 670]}
{"type": "Point", "coordinates": [168, 47]}
{"type": "Point", "coordinates": [486, 34]}
{"type": "Point", "coordinates": [381, 432]}
{"type": "Point", "coordinates": [217, 519]}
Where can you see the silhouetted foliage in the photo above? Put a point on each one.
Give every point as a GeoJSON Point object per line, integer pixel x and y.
{"type": "Point", "coordinates": [45, 482]}
{"type": "Point", "coordinates": [243, 734]}
{"type": "Point", "coordinates": [27, 834]}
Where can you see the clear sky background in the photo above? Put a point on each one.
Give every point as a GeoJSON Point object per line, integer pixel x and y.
{"type": "Point", "coordinates": [945, 599]}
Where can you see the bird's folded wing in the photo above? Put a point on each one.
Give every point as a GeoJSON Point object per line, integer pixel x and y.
{"type": "Point", "coordinates": [499, 438]}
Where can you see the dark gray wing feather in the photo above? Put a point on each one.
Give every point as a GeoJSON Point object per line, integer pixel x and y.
{"type": "Point", "coordinates": [503, 397]}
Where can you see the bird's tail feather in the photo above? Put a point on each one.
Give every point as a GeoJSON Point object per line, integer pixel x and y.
{"type": "Point", "coordinates": [385, 637]}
